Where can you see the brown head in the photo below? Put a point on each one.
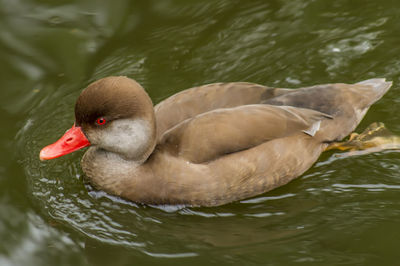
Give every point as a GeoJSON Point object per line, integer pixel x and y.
{"type": "Point", "coordinates": [114, 114]}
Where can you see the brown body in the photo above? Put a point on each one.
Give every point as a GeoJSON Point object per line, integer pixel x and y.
{"type": "Point", "coordinates": [213, 144]}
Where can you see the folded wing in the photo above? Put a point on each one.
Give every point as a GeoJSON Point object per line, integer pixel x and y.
{"type": "Point", "coordinates": [192, 102]}
{"type": "Point", "coordinates": [210, 135]}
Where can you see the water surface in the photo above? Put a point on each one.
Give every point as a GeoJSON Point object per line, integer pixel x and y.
{"type": "Point", "coordinates": [342, 211]}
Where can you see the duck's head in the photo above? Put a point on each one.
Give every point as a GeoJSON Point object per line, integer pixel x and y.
{"type": "Point", "coordinates": [114, 114]}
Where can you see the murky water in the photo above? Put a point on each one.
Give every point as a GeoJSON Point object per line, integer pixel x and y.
{"type": "Point", "coordinates": [341, 211]}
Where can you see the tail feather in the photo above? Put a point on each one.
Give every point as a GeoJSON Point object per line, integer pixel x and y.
{"type": "Point", "coordinates": [379, 85]}
{"type": "Point", "coordinates": [346, 103]}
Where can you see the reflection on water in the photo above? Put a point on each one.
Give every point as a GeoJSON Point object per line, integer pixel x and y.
{"type": "Point", "coordinates": [31, 237]}
{"type": "Point", "coordinates": [50, 51]}
{"type": "Point", "coordinates": [340, 52]}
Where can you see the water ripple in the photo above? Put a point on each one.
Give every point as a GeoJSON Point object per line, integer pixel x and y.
{"type": "Point", "coordinates": [283, 43]}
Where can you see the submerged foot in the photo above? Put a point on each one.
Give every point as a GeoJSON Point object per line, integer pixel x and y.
{"type": "Point", "coordinates": [376, 137]}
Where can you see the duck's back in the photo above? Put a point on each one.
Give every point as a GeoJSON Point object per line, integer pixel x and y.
{"type": "Point", "coordinates": [198, 100]}
{"type": "Point", "coordinates": [346, 102]}
{"type": "Point", "coordinates": [325, 112]}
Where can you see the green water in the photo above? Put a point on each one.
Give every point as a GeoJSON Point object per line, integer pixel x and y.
{"type": "Point", "coordinates": [343, 211]}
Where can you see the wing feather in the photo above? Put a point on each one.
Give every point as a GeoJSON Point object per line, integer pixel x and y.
{"type": "Point", "coordinates": [223, 131]}
{"type": "Point", "coordinates": [192, 102]}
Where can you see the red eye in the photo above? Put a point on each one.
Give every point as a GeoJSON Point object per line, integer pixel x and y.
{"type": "Point", "coordinates": [101, 121]}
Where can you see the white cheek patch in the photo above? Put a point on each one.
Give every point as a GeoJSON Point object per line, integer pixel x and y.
{"type": "Point", "coordinates": [128, 137]}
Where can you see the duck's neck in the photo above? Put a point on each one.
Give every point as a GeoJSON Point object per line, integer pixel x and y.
{"type": "Point", "coordinates": [123, 147]}
{"type": "Point", "coordinates": [109, 171]}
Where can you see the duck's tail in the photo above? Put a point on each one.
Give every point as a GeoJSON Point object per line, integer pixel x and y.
{"type": "Point", "coordinates": [358, 97]}
{"type": "Point", "coordinates": [368, 92]}
{"type": "Point", "coordinates": [346, 103]}
{"type": "Point", "coordinates": [376, 87]}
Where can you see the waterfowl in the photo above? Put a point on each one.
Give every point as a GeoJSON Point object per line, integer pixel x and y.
{"type": "Point", "coordinates": [207, 145]}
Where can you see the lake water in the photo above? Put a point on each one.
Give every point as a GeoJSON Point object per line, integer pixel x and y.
{"type": "Point", "coordinates": [342, 211]}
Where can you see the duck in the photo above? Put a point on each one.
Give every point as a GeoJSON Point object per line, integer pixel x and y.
{"type": "Point", "coordinates": [208, 145]}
